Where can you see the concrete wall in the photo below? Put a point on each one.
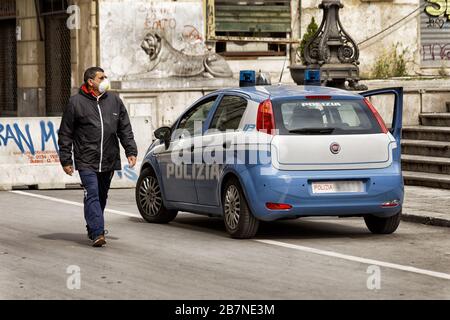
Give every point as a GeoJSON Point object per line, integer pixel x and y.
{"type": "Point", "coordinates": [420, 96]}
{"type": "Point", "coordinates": [161, 106]}
{"type": "Point", "coordinates": [29, 154]}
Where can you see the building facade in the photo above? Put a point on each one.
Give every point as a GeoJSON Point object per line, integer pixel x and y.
{"type": "Point", "coordinates": [47, 44]}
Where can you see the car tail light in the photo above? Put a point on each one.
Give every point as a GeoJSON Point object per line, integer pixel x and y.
{"type": "Point", "coordinates": [265, 120]}
{"type": "Point", "coordinates": [377, 115]}
{"type": "Point", "coordinates": [390, 204]}
{"type": "Point", "coordinates": [278, 206]}
{"type": "Point", "coordinates": [319, 97]}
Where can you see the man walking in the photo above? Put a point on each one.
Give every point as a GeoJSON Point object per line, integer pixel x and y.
{"type": "Point", "coordinates": [92, 124]}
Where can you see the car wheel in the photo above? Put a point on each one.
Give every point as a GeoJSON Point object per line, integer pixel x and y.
{"type": "Point", "coordinates": [239, 221]}
{"type": "Point", "coordinates": [380, 225]}
{"type": "Point", "coordinates": [149, 199]}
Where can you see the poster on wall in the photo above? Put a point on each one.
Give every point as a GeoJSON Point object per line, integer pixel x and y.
{"type": "Point", "coordinates": [123, 26]}
{"type": "Point", "coordinates": [435, 33]}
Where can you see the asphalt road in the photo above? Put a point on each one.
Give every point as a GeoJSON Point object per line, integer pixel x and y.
{"type": "Point", "coordinates": [43, 240]}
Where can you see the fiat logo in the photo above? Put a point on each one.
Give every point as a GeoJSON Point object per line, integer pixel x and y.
{"type": "Point", "coordinates": [335, 148]}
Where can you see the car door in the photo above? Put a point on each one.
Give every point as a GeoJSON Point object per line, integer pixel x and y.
{"type": "Point", "coordinates": [176, 162]}
{"type": "Point", "coordinates": [219, 139]}
{"type": "Point", "coordinates": [389, 102]}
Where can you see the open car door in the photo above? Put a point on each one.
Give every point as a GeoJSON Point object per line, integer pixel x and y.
{"type": "Point", "coordinates": [389, 103]}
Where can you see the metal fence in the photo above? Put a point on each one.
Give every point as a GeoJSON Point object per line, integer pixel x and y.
{"type": "Point", "coordinates": [53, 6]}
{"type": "Point", "coordinates": [8, 68]}
{"type": "Point", "coordinates": [57, 64]}
{"type": "Point", "coordinates": [7, 8]}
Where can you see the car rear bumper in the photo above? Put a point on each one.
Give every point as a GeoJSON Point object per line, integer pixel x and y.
{"type": "Point", "coordinates": [263, 184]}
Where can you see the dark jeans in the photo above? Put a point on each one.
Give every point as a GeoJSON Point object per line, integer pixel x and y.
{"type": "Point", "coordinates": [96, 186]}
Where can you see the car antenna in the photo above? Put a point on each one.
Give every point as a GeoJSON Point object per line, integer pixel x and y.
{"type": "Point", "coordinates": [281, 75]}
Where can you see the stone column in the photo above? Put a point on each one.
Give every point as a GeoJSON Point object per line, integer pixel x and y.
{"type": "Point", "coordinates": [84, 41]}
{"type": "Point", "coordinates": [30, 62]}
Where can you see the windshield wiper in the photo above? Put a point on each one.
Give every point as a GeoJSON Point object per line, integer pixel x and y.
{"type": "Point", "coordinates": [322, 130]}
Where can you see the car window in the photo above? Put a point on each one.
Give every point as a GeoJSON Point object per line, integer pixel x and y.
{"type": "Point", "coordinates": [198, 114]}
{"type": "Point", "coordinates": [345, 116]}
{"type": "Point", "coordinates": [229, 113]}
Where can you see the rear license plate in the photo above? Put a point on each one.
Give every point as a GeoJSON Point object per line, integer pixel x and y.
{"type": "Point", "coordinates": [337, 186]}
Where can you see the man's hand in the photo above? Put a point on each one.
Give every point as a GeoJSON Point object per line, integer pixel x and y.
{"type": "Point", "coordinates": [68, 170]}
{"type": "Point", "coordinates": [132, 161]}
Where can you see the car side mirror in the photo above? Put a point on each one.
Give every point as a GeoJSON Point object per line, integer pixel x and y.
{"type": "Point", "coordinates": [163, 134]}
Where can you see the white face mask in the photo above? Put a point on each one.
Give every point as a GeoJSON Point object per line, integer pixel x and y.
{"type": "Point", "coordinates": [104, 86]}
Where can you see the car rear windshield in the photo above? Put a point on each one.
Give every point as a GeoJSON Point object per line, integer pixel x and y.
{"type": "Point", "coordinates": [317, 117]}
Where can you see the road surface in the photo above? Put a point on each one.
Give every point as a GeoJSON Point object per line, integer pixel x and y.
{"type": "Point", "coordinates": [43, 245]}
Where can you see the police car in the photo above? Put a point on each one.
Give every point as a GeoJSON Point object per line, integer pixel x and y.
{"type": "Point", "coordinates": [265, 153]}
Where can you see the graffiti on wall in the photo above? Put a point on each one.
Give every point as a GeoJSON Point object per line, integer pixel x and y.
{"type": "Point", "coordinates": [435, 32]}
{"type": "Point", "coordinates": [438, 8]}
{"type": "Point", "coordinates": [41, 148]}
{"type": "Point", "coordinates": [164, 20]}
{"type": "Point", "coordinates": [35, 142]}
{"type": "Point", "coordinates": [437, 23]}
{"type": "Point", "coordinates": [160, 19]}
{"type": "Point", "coordinates": [435, 51]}
{"type": "Point", "coordinates": [123, 25]}
{"type": "Point", "coordinates": [438, 13]}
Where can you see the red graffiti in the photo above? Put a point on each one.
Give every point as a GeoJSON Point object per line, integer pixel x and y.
{"type": "Point", "coordinates": [436, 51]}
{"type": "Point", "coordinates": [190, 33]}
{"type": "Point", "coordinates": [160, 20]}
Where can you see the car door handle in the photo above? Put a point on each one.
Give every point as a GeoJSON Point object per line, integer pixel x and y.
{"type": "Point", "coordinates": [226, 144]}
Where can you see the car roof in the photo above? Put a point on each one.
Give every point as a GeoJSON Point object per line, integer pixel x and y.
{"type": "Point", "coordinates": [261, 93]}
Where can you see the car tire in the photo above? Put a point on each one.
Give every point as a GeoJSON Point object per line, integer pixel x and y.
{"type": "Point", "coordinates": [239, 220]}
{"type": "Point", "coordinates": [380, 225]}
{"type": "Point", "coordinates": [149, 199]}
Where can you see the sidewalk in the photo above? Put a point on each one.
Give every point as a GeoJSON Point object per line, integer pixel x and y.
{"type": "Point", "coordinates": [427, 205]}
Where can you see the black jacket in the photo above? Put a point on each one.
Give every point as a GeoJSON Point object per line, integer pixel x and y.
{"type": "Point", "coordinates": [93, 127]}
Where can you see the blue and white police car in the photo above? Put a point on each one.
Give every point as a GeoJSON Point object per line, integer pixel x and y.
{"type": "Point", "coordinates": [265, 153]}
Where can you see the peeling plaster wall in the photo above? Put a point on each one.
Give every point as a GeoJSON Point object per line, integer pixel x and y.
{"type": "Point", "coordinates": [123, 25]}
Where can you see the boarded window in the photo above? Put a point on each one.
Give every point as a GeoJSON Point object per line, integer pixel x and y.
{"type": "Point", "coordinates": [249, 28]}
{"type": "Point", "coordinates": [8, 8]}
{"type": "Point", "coordinates": [8, 68]}
{"type": "Point", "coordinates": [256, 18]}
{"type": "Point", "coordinates": [52, 6]}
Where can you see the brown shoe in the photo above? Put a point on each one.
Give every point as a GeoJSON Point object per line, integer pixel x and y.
{"type": "Point", "coordinates": [99, 241]}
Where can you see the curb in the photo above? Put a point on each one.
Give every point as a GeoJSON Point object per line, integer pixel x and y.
{"type": "Point", "coordinates": [427, 220]}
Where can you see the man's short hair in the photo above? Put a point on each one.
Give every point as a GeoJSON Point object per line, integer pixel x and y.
{"type": "Point", "coordinates": [91, 72]}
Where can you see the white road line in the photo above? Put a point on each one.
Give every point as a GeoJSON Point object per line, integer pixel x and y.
{"type": "Point", "coordinates": [358, 259]}
{"type": "Point", "coordinates": [73, 203]}
{"type": "Point", "coordinates": [332, 254]}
